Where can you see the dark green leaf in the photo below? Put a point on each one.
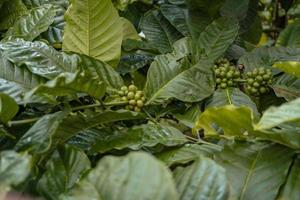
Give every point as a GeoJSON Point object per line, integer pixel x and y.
{"type": "Point", "coordinates": [8, 108]}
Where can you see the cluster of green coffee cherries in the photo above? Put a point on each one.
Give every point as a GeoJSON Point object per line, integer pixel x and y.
{"type": "Point", "coordinates": [133, 96]}
{"type": "Point", "coordinates": [258, 81]}
{"type": "Point", "coordinates": [226, 74]}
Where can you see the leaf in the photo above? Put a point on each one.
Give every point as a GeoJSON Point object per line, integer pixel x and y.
{"type": "Point", "coordinates": [168, 78]}
{"type": "Point", "coordinates": [57, 128]}
{"type": "Point", "coordinates": [33, 24]}
{"type": "Point", "coordinates": [71, 83]}
{"type": "Point", "coordinates": [190, 116]}
{"type": "Point", "coordinates": [255, 170]}
{"type": "Point", "coordinates": [63, 170]}
{"type": "Point", "coordinates": [231, 96]}
{"type": "Point", "coordinates": [39, 137]}
{"type": "Point", "coordinates": [10, 12]}
{"type": "Point", "coordinates": [8, 108]}
{"type": "Point", "coordinates": [204, 179]}
{"type": "Point", "coordinates": [39, 58]}
{"type": "Point", "coordinates": [14, 167]}
{"type": "Point", "coordinates": [138, 137]}
{"type": "Point", "coordinates": [290, 67]}
{"type": "Point", "coordinates": [289, 37]}
{"type": "Point", "coordinates": [93, 28]}
{"type": "Point", "coordinates": [177, 16]}
{"type": "Point", "coordinates": [129, 31]}
{"type": "Point", "coordinates": [276, 116]}
{"type": "Point", "coordinates": [290, 190]}
{"type": "Point", "coordinates": [217, 37]}
{"type": "Point", "coordinates": [105, 72]}
{"type": "Point", "coordinates": [159, 31]}
{"type": "Point", "coordinates": [15, 81]}
{"type": "Point", "coordinates": [235, 9]}
{"type": "Point", "coordinates": [267, 56]}
{"type": "Point", "coordinates": [187, 153]}
{"type": "Point", "coordinates": [287, 86]}
{"type": "Point", "coordinates": [135, 176]}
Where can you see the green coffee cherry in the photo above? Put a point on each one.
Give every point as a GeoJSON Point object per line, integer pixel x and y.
{"type": "Point", "coordinates": [130, 95]}
{"type": "Point", "coordinates": [140, 103]}
{"type": "Point", "coordinates": [133, 96]}
{"type": "Point", "coordinates": [132, 102]}
{"type": "Point", "coordinates": [258, 81]}
{"type": "Point", "coordinates": [132, 88]}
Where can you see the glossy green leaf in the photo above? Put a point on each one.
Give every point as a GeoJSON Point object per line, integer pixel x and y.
{"type": "Point", "coordinates": [159, 31]}
{"type": "Point", "coordinates": [59, 127]}
{"type": "Point", "coordinates": [204, 179]}
{"type": "Point", "coordinates": [71, 83]}
{"type": "Point", "coordinates": [14, 167]}
{"type": "Point", "coordinates": [255, 170]}
{"type": "Point", "coordinates": [290, 190]}
{"type": "Point", "coordinates": [93, 28]}
{"type": "Point", "coordinates": [187, 153]}
{"type": "Point", "coordinates": [138, 137]}
{"type": "Point", "coordinates": [169, 78]}
{"type": "Point", "coordinates": [63, 169]}
{"type": "Point", "coordinates": [217, 37]}
{"type": "Point", "coordinates": [267, 56]}
{"type": "Point", "coordinates": [33, 24]}
{"type": "Point", "coordinates": [231, 96]}
{"type": "Point", "coordinates": [40, 58]}
{"type": "Point", "coordinates": [135, 176]}
{"type": "Point", "coordinates": [8, 108]}
{"type": "Point", "coordinates": [190, 116]}
{"type": "Point", "coordinates": [287, 86]}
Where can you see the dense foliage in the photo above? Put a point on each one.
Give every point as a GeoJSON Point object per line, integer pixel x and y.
{"type": "Point", "coordinates": [150, 99]}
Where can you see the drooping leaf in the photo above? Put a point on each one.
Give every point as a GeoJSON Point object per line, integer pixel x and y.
{"type": "Point", "coordinates": [217, 37]}
{"type": "Point", "coordinates": [71, 83]}
{"type": "Point", "coordinates": [10, 12]}
{"type": "Point", "coordinates": [159, 31]}
{"type": "Point", "coordinates": [168, 78]}
{"type": "Point", "coordinates": [40, 58]}
{"type": "Point", "coordinates": [204, 179]}
{"type": "Point", "coordinates": [255, 170]}
{"type": "Point", "coordinates": [231, 96]}
{"type": "Point", "coordinates": [138, 137]}
{"type": "Point", "coordinates": [187, 153]}
{"type": "Point", "coordinates": [290, 190]}
{"type": "Point", "coordinates": [93, 28]}
{"type": "Point", "coordinates": [190, 116]}
{"type": "Point", "coordinates": [289, 37]}
{"type": "Point", "coordinates": [8, 108]}
{"type": "Point", "coordinates": [59, 127]}
{"type": "Point", "coordinates": [135, 176]}
{"type": "Point", "coordinates": [63, 170]}
{"type": "Point", "coordinates": [287, 86]}
{"type": "Point", "coordinates": [177, 16]}
{"type": "Point", "coordinates": [129, 31]}
{"type": "Point", "coordinates": [15, 81]}
{"type": "Point", "coordinates": [33, 24]}
{"type": "Point", "coordinates": [14, 167]}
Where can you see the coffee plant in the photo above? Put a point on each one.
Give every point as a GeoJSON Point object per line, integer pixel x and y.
{"type": "Point", "coordinates": [150, 99]}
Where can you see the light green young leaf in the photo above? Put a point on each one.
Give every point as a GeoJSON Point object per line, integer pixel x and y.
{"type": "Point", "coordinates": [204, 179]}
{"type": "Point", "coordinates": [70, 83]}
{"type": "Point", "coordinates": [217, 37]}
{"type": "Point", "coordinates": [8, 108]}
{"type": "Point", "coordinates": [14, 167]}
{"type": "Point", "coordinates": [40, 58]}
{"type": "Point", "coordinates": [134, 176]}
{"type": "Point", "coordinates": [93, 28]}
{"type": "Point", "coordinates": [255, 170]}
{"type": "Point", "coordinates": [138, 137]}
{"type": "Point", "coordinates": [290, 67]}
{"type": "Point", "coordinates": [32, 24]}
{"type": "Point", "coordinates": [129, 31]}
{"type": "Point", "coordinates": [63, 170]}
